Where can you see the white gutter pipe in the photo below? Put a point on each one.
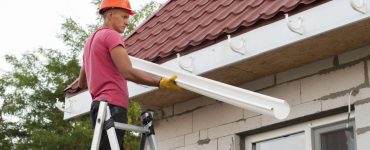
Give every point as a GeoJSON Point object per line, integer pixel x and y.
{"type": "Point", "coordinates": [220, 91]}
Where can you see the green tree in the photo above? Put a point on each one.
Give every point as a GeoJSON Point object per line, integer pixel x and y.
{"type": "Point", "coordinates": [28, 117]}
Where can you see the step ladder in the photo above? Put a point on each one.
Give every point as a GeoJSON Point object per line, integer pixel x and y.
{"type": "Point", "coordinates": [104, 122]}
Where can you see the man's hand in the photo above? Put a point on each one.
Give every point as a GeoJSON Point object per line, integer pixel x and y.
{"type": "Point", "coordinates": [169, 83]}
{"type": "Point", "coordinates": [73, 88]}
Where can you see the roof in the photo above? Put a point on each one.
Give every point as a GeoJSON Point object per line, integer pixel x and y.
{"type": "Point", "coordinates": [181, 24]}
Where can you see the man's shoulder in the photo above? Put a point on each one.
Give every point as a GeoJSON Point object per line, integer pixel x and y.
{"type": "Point", "coordinates": [108, 31]}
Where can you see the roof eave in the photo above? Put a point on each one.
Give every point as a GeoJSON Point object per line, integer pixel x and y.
{"type": "Point", "coordinates": [340, 35]}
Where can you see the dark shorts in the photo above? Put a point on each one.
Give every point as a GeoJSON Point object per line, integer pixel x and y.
{"type": "Point", "coordinates": [119, 114]}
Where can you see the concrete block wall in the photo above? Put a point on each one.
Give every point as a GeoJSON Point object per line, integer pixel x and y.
{"type": "Point", "coordinates": [207, 124]}
{"type": "Point", "coordinates": [362, 111]}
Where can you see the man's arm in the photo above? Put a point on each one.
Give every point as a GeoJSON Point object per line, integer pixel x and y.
{"type": "Point", "coordinates": [77, 85]}
{"type": "Point", "coordinates": [82, 78]}
{"type": "Point", "coordinates": [122, 61]}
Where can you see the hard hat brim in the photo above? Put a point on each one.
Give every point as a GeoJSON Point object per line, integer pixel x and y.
{"type": "Point", "coordinates": [130, 12]}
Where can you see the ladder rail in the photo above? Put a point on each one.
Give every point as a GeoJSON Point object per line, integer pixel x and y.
{"type": "Point", "coordinates": [111, 132]}
{"type": "Point", "coordinates": [99, 126]}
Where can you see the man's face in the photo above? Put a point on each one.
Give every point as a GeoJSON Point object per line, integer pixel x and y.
{"type": "Point", "coordinates": [119, 19]}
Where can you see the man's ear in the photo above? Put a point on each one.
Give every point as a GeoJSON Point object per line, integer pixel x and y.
{"type": "Point", "coordinates": [109, 14]}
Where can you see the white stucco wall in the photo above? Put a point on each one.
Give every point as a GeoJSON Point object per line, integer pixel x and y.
{"type": "Point", "coordinates": [206, 124]}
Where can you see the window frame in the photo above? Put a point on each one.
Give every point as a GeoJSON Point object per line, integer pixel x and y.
{"type": "Point", "coordinates": [316, 132]}
{"type": "Point", "coordinates": [305, 127]}
{"type": "Point", "coordinates": [255, 144]}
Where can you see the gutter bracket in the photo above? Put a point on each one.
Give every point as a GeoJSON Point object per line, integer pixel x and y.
{"type": "Point", "coordinates": [298, 28]}
{"type": "Point", "coordinates": [237, 49]}
{"type": "Point", "coordinates": [362, 7]}
{"type": "Point", "coordinates": [189, 67]}
{"type": "Point", "coordinates": [62, 107]}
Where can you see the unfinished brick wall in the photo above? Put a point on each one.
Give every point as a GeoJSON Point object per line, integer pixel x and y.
{"type": "Point", "coordinates": [206, 124]}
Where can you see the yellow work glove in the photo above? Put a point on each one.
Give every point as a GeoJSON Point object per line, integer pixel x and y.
{"type": "Point", "coordinates": [169, 83]}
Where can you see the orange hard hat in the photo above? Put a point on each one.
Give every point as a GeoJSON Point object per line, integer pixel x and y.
{"type": "Point", "coordinates": [124, 4]}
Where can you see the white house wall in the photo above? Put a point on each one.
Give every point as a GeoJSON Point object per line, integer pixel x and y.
{"type": "Point", "coordinates": [203, 123]}
{"type": "Point", "coordinates": [362, 111]}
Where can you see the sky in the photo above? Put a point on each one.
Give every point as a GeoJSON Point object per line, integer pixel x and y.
{"type": "Point", "coordinates": [27, 25]}
{"type": "Point", "coordinates": [30, 24]}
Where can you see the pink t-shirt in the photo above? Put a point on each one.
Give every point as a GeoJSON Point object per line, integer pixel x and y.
{"type": "Point", "coordinates": [103, 78]}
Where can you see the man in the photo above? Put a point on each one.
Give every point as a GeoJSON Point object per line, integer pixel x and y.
{"type": "Point", "coordinates": [106, 67]}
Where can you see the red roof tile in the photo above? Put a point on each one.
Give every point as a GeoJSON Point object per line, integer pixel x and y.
{"type": "Point", "coordinates": [183, 23]}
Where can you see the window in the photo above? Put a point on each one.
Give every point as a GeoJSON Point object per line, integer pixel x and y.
{"type": "Point", "coordinates": [329, 133]}
{"type": "Point", "coordinates": [289, 142]}
{"type": "Point", "coordinates": [334, 137]}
